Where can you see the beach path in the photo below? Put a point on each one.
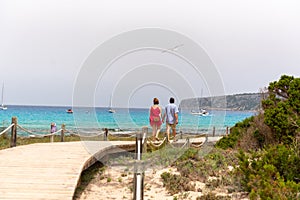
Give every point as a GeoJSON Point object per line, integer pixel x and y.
{"type": "Point", "coordinates": [50, 170]}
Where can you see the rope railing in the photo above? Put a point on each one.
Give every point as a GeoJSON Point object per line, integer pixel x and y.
{"type": "Point", "coordinates": [160, 144]}
{"type": "Point", "coordinates": [14, 126]}
{"type": "Point", "coordinates": [5, 130]}
{"type": "Point", "coordinates": [132, 135]}
{"type": "Point", "coordinates": [89, 136]}
{"type": "Point", "coordinates": [142, 142]}
{"type": "Point", "coordinates": [196, 146]}
{"type": "Point", "coordinates": [186, 144]}
{"type": "Point", "coordinates": [188, 135]}
{"type": "Point", "coordinates": [86, 134]}
{"type": "Point", "coordinates": [72, 132]}
{"type": "Point", "coordinates": [25, 130]}
{"type": "Point", "coordinates": [192, 144]}
{"type": "Point", "coordinates": [30, 133]}
{"type": "Point", "coordinates": [146, 141]}
{"type": "Point", "coordinates": [33, 134]}
{"type": "Point", "coordinates": [54, 133]}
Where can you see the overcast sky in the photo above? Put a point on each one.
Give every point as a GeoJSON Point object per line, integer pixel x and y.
{"type": "Point", "coordinates": [43, 44]}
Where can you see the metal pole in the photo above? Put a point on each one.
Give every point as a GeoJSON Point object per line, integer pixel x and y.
{"type": "Point", "coordinates": [145, 133]}
{"type": "Point", "coordinates": [138, 169]}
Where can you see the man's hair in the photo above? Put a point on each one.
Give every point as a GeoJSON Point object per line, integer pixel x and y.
{"type": "Point", "coordinates": [172, 100]}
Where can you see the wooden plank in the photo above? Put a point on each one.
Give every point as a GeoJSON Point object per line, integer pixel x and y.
{"type": "Point", "coordinates": [49, 170]}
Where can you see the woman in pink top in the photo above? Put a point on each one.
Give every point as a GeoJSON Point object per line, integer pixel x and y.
{"type": "Point", "coordinates": [155, 118]}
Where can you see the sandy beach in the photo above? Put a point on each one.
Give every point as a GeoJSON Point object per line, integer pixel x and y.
{"type": "Point", "coordinates": [112, 184]}
{"type": "Point", "coordinates": [101, 187]}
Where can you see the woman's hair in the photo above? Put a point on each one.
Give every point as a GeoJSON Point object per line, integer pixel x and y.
{"type": "Point", "coordinates": [155, 101]}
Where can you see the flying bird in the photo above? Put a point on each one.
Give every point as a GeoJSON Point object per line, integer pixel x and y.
{"type": "Point", "coordinates": [173, 48]}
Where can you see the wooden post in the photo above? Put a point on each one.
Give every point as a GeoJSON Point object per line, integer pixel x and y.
{"type": "Point", "coordinates": [51, 138]}
{"type": "Point", "coordinates": [105, 134]}
{"type": "Point", "coordinates": [13, 138]}
{"type": "Point", "coordinates": [166, 136]}
{"type": "Point", "coordinates": [52, 130]}
{"type": "Point", "coordinates": [62, 133]}
{"type": "Point", "coordinates": [214, 131]}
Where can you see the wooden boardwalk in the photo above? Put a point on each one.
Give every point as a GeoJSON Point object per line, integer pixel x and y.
{"type": "Point", "coordinates": [49, 170]}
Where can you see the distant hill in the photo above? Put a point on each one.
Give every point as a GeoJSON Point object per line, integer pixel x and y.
{"type": "Point", "coordinates": [248, 101]}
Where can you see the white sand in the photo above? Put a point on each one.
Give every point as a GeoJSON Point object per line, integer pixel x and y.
{"type": "Point", "coordinates": [120, 187]}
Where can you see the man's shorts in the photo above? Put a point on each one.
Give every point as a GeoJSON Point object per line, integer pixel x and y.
{"type": "Point", "coordinates": [173, 126]}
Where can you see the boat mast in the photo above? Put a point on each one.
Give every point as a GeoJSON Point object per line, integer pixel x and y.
{"type": "Point", "coordinates": [2, 97]}
{"type": "Point", "coordinates": [110, 102]}
{"type": "Point", "coordinates": [200, 101]}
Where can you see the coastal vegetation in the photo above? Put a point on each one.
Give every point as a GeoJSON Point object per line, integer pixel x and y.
{"type": "Point", "coordinates": [269, 144]}
{"type": "Point", "coordinates": [213, 169]}
{"type": "Point", "coordinates": [260, 156]}
{"type": "Point", "coordinates": [259, 159]}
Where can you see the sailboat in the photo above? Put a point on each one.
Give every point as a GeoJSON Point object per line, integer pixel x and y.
{"type": "Point", "coordinates": [2, 107]}
{"type": "Point", "coordinates": [110, 109]}
{"type": "Point", "coordinates": [200, 111]}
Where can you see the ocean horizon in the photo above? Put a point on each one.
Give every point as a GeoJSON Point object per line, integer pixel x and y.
{"type": "Point", "coordinates": [94, 120]}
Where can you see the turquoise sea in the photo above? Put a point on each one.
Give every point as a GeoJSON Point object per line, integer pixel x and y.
{"type": "Point", "coordinates": [39, 118]}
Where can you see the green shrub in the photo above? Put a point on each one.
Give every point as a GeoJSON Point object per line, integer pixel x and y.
{"type": "Point", "coordinates": [245, 123]}
{"type": "Point", "coordinates": [176, 183]}
{"type": "Point", "coordinates": [271, 173]}
{"type": "Point", "coordinates": [191, 153]}
{"type": "Point", "coordinates": [212, 196]}
{"type": "Point", "coordinates": [231, 140]}
{"type": "Point", "coordinates": [282, 108]}
{"type": "Point", "coordinates": [259, 137]}
{"type": "Point", "coordinates": [236, 133]}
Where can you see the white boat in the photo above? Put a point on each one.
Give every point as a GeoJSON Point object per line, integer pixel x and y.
{"type": "Point", "coordinates": [110, 109]}
{"type": "Point", "coordinates": [201, 112]}
{"type": "Point", "coordinates": [2, 107]}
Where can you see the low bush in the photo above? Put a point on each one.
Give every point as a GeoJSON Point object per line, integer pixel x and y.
{"type": "Point", "coordinates": [236, 133]}
{"type": "Point", "coordinates": [272, 173]}
{"type": "Point", "coordinates": [176, 183]}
